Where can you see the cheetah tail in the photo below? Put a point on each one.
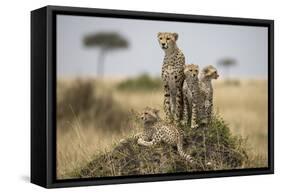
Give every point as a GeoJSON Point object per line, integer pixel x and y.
{"type": "Point", "coordinates": [181, 152]}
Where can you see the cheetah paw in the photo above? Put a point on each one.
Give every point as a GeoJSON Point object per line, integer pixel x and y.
{"type": "Point", "coordinates": [137, 136]}
{"type": "Point", "coordinates": [204, 121]}
{"type": "Point", "coordinates": [183, 122]}
{"type": "Point", "coordinates": [123, 141]}
{"type": "Point", "coordinates": [207, 104]}
{"type": "Point", "coordinates": [189, 158]}
{"type": "Point", "coordinates": [194, 126]}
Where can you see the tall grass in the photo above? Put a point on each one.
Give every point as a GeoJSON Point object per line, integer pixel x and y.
{"type": "Point", "coordinates": [244, 107]}
{"type": "Point", "coordinates": [89, 120]}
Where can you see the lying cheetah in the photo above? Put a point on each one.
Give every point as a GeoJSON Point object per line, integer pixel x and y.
{"type": "Point", "coordinates": [172, 75]}
{"type": "Point", "coordinates": [156, 131]}
{"type": "Point", "coordinates": [208, 73]}
{"type": "Point", "coordinates": [193, 99]}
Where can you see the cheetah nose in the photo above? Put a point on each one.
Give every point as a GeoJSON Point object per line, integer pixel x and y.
{"type": "Point", "coordinates": [142, 117]}
{"type": "Point", "coordinates": [163, 44]}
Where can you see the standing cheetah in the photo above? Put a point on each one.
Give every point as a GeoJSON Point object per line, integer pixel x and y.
{"type": "Point", "coordinates": [172, 75]}
{"type": "Point", "coordinates": [208, 73]}
{"type": "Point", "coordinates": [155, 131]}
{"type": "Point", "coordinates": [193, 99]}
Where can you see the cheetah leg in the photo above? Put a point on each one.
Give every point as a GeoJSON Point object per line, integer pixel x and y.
{"type": "Point", "coordinates": [138, 136]}
{"type": "Point", "coordinates": [186, 111]}
{"type": "Point", "coordinates": [185, 114]}
{"type": "Point", "coordinates": [194, 116]}
{"type": "Point", "coordinates": [173, 103]}
{"type": "Point", "coordinates": [209, 111]}
{"type": "Point", "coordinates": [145, 143]}
{"type": "Point", "coordinates": [167, 105]}
{"type": "Point", "coordinates": [179, 105]}
{"type": "Point", "coordinates": [181, 152]}
{"type": "Point", "coordinates": [148, 143]}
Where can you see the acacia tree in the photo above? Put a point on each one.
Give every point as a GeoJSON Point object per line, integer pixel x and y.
{"type": "Point", "coordinates": [227, 63]}
{"type": "Point", "coordinates": [106, 42]}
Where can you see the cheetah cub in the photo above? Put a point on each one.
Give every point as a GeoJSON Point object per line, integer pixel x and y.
{"type": "Point", "coordinates": [207, 75]}
{"type": "Point", "coordinates": [155, 131]}
{"type": "Point", "coordinates": [192, 97]}
{"type": "Point", "coordinates": [172, 75]}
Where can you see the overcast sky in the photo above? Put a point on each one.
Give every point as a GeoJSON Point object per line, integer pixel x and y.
{"type": "Point", "coordinates": [202, 44]}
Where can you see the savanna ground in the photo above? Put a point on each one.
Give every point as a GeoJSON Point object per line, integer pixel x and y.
{"type": "Point", "coordinates": [94, 115]}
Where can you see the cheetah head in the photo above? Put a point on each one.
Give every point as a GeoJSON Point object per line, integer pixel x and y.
{"type": "Point", "coordinates": [191, 70]}
{"type": "Point", "coordinates": [149, 115]}
{"type": "Point", "coordinates": [167, 40]}
{"type": "Point", "coordinates": [210, 72]}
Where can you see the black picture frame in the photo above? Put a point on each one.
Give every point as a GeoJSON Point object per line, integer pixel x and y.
{"type": "Point", "coordinates": [43, 95]}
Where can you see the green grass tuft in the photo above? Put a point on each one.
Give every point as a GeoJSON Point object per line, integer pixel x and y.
{"type": "Point", "coordinates": [142, 82]}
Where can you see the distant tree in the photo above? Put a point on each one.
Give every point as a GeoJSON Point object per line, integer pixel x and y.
{"type": "Point", "coordinates": [227, 63]}
{"type": "Point", "coordinates": [106, 41]}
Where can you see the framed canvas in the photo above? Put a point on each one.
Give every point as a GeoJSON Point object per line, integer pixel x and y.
{"type": "Point", "coordinates": [126, 96]}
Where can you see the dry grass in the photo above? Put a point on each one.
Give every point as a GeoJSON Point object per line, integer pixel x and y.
{"type": "Point", "coordinates": [88, 121]}
{"type": "Point", "coordinates": [243, 107]}
{"type": "Point", "coordinates": [77, 147]}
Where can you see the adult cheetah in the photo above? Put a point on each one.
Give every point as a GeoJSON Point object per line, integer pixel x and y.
{"type": "Point", "coordinates": [172, 75]}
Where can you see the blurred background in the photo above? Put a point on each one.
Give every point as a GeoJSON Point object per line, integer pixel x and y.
{"type": "Point", "coordinates": [109, 69]}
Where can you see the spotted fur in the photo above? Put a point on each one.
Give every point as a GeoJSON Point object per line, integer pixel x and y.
{"type": "Point", "coordinates": [187, 103]}
{"type": "Point", "coordinates": [193, 98]}
{"type": "Point", "coordinates": [156, 131]}
{"type": "Point", "coordinates": [207, 74]}
{"type": "Point", "coordinates": [172, 75]}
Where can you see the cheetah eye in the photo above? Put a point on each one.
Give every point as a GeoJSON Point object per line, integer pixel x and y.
{"type": "Point", "coordinates": [215, 71]}
{"type": "Point", "coordinates": [190, 70]}
{"type": "Point", "coordinates": [160, 38]}
{"type": "Point", "coordinates": [168, 38]}
{"type": "Point", "coordinates": [145, 113]}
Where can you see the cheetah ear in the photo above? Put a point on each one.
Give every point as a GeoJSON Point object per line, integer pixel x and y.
{"type": "Point", "coordinates": [156, 111]}
{"type": "Point", "coordinates": [176, 36]}
{"type": "Point", "coordinates": [147, 108]}
{"type": "Point", "coordinates": [158, 34]}
{"type": "Point", "coordinates": [205, 70]}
